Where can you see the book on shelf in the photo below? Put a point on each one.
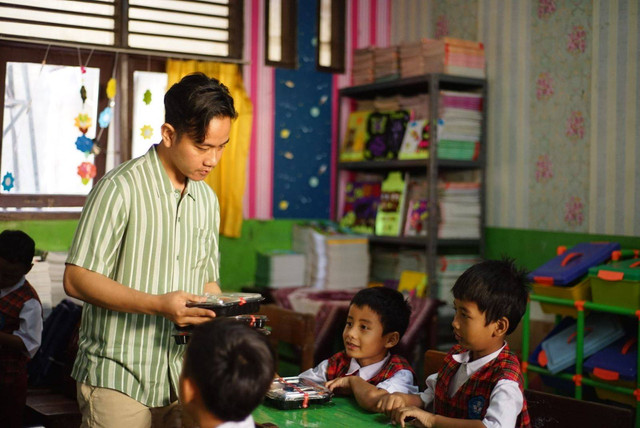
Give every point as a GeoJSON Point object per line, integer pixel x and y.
{"type": "Point", "coordinates": [415, 143]}
{"type": "Point", "coordinates": [280, 268]}
{"type": "Point", "coordinates": [356, 135]}
{"type": "Point", "coordinates": [361, 201]}
{"type": "Point", "coordinates": [389, 217]}
{"type": "Point", "coordinates": [417, 213]}
{"type": "Point", "coordinates": [459, 209]}
{"type": "Point", "coordinates": [385, 133]}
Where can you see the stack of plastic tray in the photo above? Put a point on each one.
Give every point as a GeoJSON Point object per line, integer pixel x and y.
{"type": "Point", "coordinates": [617, 284]}
{"type": "Point", "coordinates": [616, 365]}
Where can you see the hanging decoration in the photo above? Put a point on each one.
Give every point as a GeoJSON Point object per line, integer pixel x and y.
{"type": "Point", "coordinates": [83, 122]}
{"type": "Point", "coordinates": [147, 131]}
{"type": "Point", "coordinates": [8, 181]}
{"type": "Point", "coordinates": [86, 171]}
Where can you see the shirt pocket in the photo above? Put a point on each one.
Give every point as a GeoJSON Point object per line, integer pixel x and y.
{"type": "Point", "coordinates": [203, 244]}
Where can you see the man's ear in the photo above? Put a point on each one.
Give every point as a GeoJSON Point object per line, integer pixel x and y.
{"type": "Point", "coordinates": [169, 134]}
{"type": "Point", "coordinates": [391, 339]}
{"type": "Point", "coordinates": [502, 326]}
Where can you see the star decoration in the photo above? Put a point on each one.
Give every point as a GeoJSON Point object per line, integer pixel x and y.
{"type": "Point", "coordinates": [147, 97]}
{"type": "Point", "coordinates": [8, 181]}
{"type": "Point", "coordinates": [146, 132]}
{"type": "Point", "coordinates": [83, 122]}
{"type": "Point", "coordinates": [84, 144]}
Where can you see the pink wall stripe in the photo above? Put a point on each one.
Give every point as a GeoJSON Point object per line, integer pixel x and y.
{"type": "Point", "coordinates": [373, 23]}
{"type": "Point", "coordinates": [255, 34]}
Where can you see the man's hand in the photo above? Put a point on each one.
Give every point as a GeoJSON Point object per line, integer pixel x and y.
{"type": "Point", "coordinates": [173, 306]}
{"type": "Point", "coordinates": [341, 385]}
{"type": "Point", "coordinates": [212, 288]}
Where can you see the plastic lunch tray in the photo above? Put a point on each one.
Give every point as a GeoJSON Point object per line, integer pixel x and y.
{"type": "Point", "coordinates": [296, 393]}
{"type": "Point", "coordinates": [228, 304]}
{"type": "Point", "coordinates": [183, 334]}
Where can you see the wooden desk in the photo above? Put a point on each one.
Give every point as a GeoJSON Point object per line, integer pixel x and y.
{"type": "Point", "coordinates": [340, 412]}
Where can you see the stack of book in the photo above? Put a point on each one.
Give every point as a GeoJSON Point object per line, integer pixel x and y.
{"type": "Point", "coordinates": [280, 269]}
{"type": "Point", "coordinates": [362, 69]}
{"type": "Point", "coordinates": [459, 125]}
{"type": "Point", "coordinates": [447, 55]}
{"type": "Point", "coordinates": [459, 208]}
{"type": "Point", "coordinates": [385, 61]}
{"type": "Point", "coordinates": [336, 259]}
{"type": "Point", "coordinates": [450, 267]}
{"type": "Point", "coordinates": [388, 265]}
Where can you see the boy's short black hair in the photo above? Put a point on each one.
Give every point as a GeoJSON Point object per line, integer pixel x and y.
{"type": "Point", "coordinates": [232, 365]}
{"type": "Point", "coordinates": [498, 287]}
{"type": "Point", "coordinates": [389, 304]}
{"type": "Point", "coordinates": [17, 247]}
{"type": "Point", "coordinates": [191, 103]}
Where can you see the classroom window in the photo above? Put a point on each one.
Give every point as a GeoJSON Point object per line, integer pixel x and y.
{"type": "Point", "coordinates": [42, 116]}
{"type": "Point", "coordinates": [331, 35]}
{"type": "Point", "coordinates": [148, 110]}
{"type": "Point", "coordinates": [281, 27]}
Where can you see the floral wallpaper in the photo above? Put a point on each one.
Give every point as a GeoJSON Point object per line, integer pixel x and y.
{"type": "Point", "coordinates": [456, 18]}
{"type": "Point", "coordinates": [560, 101]}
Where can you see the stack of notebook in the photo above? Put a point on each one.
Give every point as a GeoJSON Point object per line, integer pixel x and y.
{"type": "Point", "coordinates": [459, 125]}
{"type": "Point", "coordinates": [280, 269]}
{"type": "Point", "coordinates": [447, 55]}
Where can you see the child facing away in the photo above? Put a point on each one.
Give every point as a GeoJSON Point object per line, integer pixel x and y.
{"type": "Point", "coordinates": [480, 383]}
{"type": "Point", "coordinates": [228, 368]}
{"type": "Point", "coordinates": [20, 323]}
{"type": "Point", "coordinates": [377, 319]}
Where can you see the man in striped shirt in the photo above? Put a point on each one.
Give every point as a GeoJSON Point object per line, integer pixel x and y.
{"type": "Point", "coordinates": [146, 244]}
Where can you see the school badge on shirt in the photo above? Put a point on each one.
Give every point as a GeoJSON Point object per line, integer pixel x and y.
{"type": "Point", "coordinates": [476, 404]}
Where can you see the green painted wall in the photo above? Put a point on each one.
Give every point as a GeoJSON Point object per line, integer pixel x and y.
{"type": "Point", "coordinates": [532, 248]}
{"type": "Point", "coordinates": [237, 255]}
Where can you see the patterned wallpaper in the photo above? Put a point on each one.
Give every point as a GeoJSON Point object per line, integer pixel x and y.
{"type": "Point", "coordinates": [564, 110]}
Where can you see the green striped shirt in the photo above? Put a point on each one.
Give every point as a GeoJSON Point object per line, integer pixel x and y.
{"type": "Point", "coordinates": [136, 229]}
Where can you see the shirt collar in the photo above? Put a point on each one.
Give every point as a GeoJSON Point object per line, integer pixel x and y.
{"type": "Point", "coordinates": [162, 176]}
{"type": "Point", "coordinates": [6, 291]}
{"type": "Point", "coordinates": [473, 366]}
{"type": "Point", "coordinates": [367, 372]}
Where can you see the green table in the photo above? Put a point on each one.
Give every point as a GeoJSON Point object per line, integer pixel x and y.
{"type": "Point", "coordinates": [340, 412]}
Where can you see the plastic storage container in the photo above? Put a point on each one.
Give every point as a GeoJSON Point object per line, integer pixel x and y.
{"type": "Point", "coordinates": [183, 334]}
{"type": "Point", "coordinates": [229, 304]}
{"type": "Point", "coordinates": [617, 284]}
{"type": "Point", "coordinates": [580, 291]}
{"type": "Point", "coordinates": [568, 268]}
{"type": "Point", "coordinates": [616, 365]}
{"type": "Point", "coordinates": [296, 393]}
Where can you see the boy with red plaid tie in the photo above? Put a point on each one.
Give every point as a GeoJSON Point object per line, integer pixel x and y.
{"type": "Point", "coordinates": [366, 369]}
{"type": "Point", "coordinates": [480, 384]}
{"type": "Point", "coordinates": [20, 323]}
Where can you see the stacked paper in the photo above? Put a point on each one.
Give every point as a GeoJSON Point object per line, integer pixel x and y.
{"type": "Point", "coordinates": [388, 265]}
{"type": "Point", "coordinates": [362, 69]}
{"type": "Point", "coordinates": [280, 269]}
{"type": "Point", "coordinates": [450, 268]}
{"type": "Point", "coordinates": [459, 125]}
{"type": "Point", "coordinates": [39, 279]}
{"type": "Point", "coordinates": [417, 104]}
{"type": "Point", "coordinates": [385, 62]}
{"type": "Point", "coordinates": [459, 206]}
{"type": "Point", "coordinates": [335, 260]}
{"type": "Point", "coordinates": [447, 55]}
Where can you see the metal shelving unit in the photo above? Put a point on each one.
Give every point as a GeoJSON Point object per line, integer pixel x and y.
{"type": "Point", "coordinates": [432, 84]}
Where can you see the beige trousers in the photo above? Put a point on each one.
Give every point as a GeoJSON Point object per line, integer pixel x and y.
{"type": "Point", "coordinates": [108, 408]}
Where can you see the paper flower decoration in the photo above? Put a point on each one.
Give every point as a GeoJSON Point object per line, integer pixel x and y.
{"type": "Point", "coordinates": [111, 88]}
{"type": "Point", "coordinates": [105, 117]}
{"type": "Point", "coordinates": [84, 144]}
{"type": "Point", "coordinates": [86, 171]}
{"type": "Point", "coordinates": [146, 132]}
{"type": "Point", "coordinates": [7, 181]}
{"type": "Point", "coordinates": [83, 122]}
{"type": "Point", "coordinates": [83, 93]}
{"type": "Point", "coordinates": [147, 97]}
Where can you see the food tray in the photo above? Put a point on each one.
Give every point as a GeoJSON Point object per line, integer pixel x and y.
{"type": "Point", "coordinates": [257, 321]}
{"type": "Point", "coordinates": [229, 304]}
{"type": "Point", "coordinates": [296, 393]}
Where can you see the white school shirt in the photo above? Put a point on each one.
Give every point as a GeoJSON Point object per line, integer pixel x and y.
{"type": "Point", "coordinates": [245, 423]}
{"type": "Point", "coordinates": [30, 330]}
{"type": "Point", "coordinates": [402, 381]}
{"type": "Point", "coordinates": [505, 402]}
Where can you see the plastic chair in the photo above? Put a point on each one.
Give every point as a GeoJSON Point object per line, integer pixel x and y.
{"type": "Point", "coordinates": [291, 327]}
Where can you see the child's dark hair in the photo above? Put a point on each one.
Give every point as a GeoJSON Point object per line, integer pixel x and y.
{"type": "Point", "coordinates": [389, 304]}
{"type": "Point", "coordinates": [191, 104]}
{"type": "Point", "coordinates": [17, 247]}
{"type": "Point", "coordinates": [232, 365]}
{"type": "Point", "coordinates": [498, 287]}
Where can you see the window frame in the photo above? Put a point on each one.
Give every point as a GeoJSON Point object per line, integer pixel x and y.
{"type": "Point", "coordinates": [338, 37]}
{"type": "Point", "coordinates": [289, 32]}
{"type": "Point", "coordinates": [26, 52]}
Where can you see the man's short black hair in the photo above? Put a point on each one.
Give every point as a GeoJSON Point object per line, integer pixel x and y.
{"type": "Point", "coordinates": [389, 304]}
{"type": "Point", "coordinates": [191, 103]}
{"type": "Point", "coordinates": [498, 287]}
{"type": "Point", "coordinates": [17, 247]}
{"type": "Point", "coordinates": [232, 365]}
